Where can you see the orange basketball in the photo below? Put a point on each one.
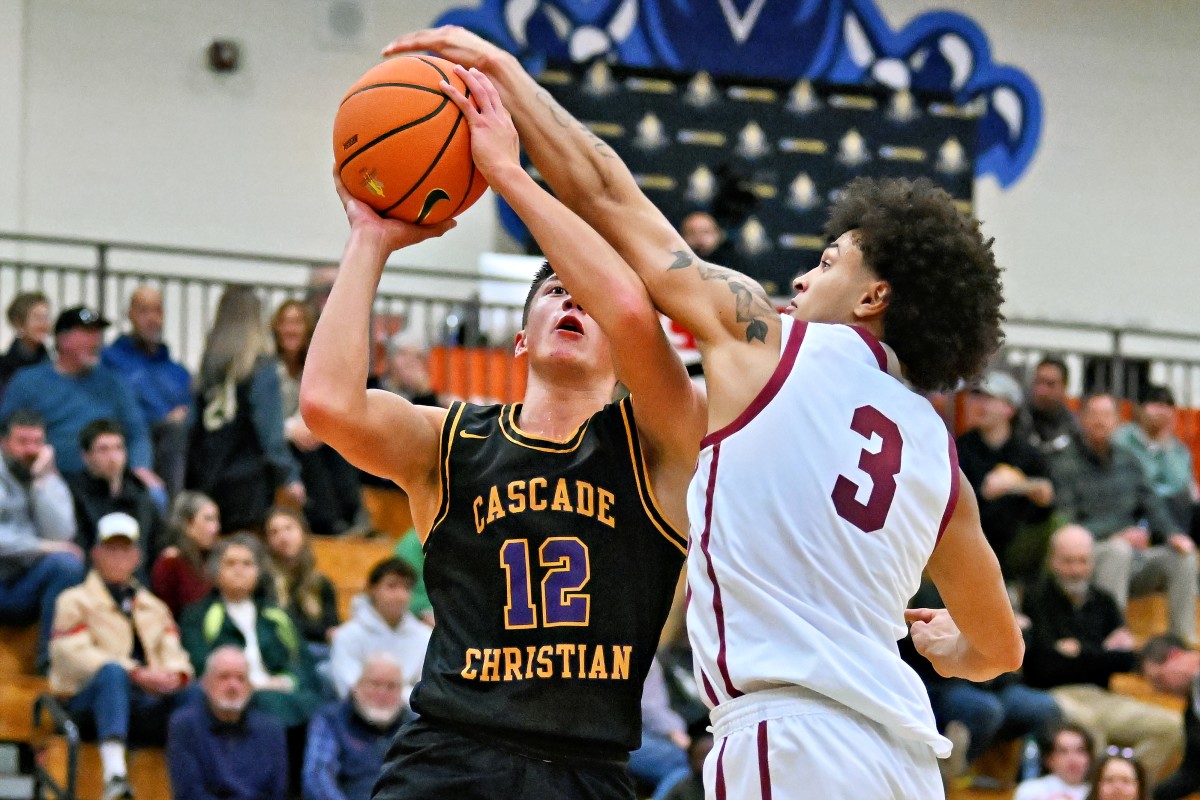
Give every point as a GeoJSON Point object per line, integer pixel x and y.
{"type": "Point", "coordinates": [403, 147]}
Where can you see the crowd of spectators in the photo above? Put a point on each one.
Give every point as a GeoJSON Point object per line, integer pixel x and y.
{"type": "Point", "coordinates": [1083, 513]}
{"type": "Point", "coordinates": [159, 525]}
{"type": "Point", "coordinates": [155, 524]}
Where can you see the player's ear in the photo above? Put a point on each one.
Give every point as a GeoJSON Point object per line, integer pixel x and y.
{"type": "Point", "coordinates": [519, 345]}
{"type": "Point", "coordinates": [874, 301]}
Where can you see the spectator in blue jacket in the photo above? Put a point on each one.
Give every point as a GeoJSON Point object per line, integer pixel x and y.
{"type": "Point", "coordinates": [348, 739]}
{"type": "Point", "coordinates": [222, 748]}
{"type": "Point", "coordinates": [162, 387]}
{"type": "Point", "coordinates": [75, 388]}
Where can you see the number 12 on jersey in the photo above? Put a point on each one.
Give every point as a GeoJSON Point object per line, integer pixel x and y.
{"type": "Point", "coordinates": [568, 569]}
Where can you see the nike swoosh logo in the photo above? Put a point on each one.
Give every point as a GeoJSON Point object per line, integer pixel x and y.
{"type": "Point", "coordinates": [466, 435]}
{"type": "Point", "coordinates": [434, 197]}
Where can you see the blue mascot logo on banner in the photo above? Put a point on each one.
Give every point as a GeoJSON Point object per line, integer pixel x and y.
{"type": "Point", "coordinates": [836, 41]}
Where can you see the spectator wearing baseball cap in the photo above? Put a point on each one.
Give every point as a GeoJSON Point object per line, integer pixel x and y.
{"type": "Point", "coordinates": [1009, 476]}
{"type": "Point", "coordinates": [1166, 460]}
{"type": "Point", "coordinates": [74, 388]}
{"type": "Point", "coordinates": [115, 657]}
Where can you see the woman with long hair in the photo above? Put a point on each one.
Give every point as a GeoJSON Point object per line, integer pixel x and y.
{"type": "Point", "coordinates": [300, 589]}
{"type": "Point", "coordinates": [237, 612]}
{"type": "Point", "coordinates": [333, 488]}
{"type": "Point", "coordinates": [1119, 777]}
{"type": "Point", "coordinates": [238, 454]}
{"type": "Point", "coordinates": [179, 577]}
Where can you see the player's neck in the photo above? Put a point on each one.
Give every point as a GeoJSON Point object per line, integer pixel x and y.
{"type": "Point", "coordinates": [555, 412]}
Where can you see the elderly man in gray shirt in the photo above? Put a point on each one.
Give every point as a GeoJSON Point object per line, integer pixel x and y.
{"type": "Point", "coordinates": [38, 558]}
{"type": "Point", "coordinates": [1139, 547]}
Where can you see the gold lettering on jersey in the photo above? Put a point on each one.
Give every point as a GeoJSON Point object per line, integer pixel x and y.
{"type": "Point", "coordinates": [562, 502]}
{"type": "Point", "coordinates": [491, 664]}
{"type": "Point", "coordinates": [512, 664]}
{"type": "Point", "coordinates": [507, 664]}
{"type": "Point", "coordinates": [566, 651]}
{"type": "Point", "coordinates": [599, 668]}
{"type": "Point", "coordinates": [537, 494]}
{"type": "Point", "coordinates": [606, 500]}
{"type": "Point", "coordinates": [584, 498]}
{"type": "Point", "coordinates": [536, 503]}
{"type": "Point", "coordinates": [495, 510]}
{"type": "Point", "coordinates": [516, 497]}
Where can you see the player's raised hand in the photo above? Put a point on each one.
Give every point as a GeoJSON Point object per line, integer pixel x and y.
{"type": "Point", "coordinates": [394, 234]}
{"type": "Point", "coordinates": [494, 142]}
{"type": "Point", "coordinates": [936, 636]}
{"type": "Point", "coordinates": [449, 41]}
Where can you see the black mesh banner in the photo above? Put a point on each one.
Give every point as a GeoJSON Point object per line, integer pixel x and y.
{"type": "Point", "coordinates": [766, 158]}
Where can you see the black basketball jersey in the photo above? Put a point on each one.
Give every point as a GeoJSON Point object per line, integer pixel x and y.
{"type": "Point", "coordinates": [551, 571]}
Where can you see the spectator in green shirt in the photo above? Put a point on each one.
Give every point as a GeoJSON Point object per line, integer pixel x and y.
{"type": "Point", "coordinates": [1166, 460]}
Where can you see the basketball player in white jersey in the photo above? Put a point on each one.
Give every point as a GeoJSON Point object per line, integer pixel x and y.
{"type": "Point", "coordinates": [826, 484]}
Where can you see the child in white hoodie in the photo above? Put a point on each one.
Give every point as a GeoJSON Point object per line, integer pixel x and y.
{"type": "Point", "coordinates": [380, 622]}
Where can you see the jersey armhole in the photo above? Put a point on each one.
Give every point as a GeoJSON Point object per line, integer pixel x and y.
{"type": "Point", "coordinates": [952, 501]}
{"type": "Point", "coordinates": [445, 443]}
{"type": "Point", "coordinates": [641, 476]}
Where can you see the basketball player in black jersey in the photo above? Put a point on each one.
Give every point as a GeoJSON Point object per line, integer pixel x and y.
{"type": "Point", "coordinates": [554, 529]}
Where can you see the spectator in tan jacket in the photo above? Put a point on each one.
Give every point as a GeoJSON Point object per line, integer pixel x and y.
{"type": "Point", "coordinates": [115, 656]}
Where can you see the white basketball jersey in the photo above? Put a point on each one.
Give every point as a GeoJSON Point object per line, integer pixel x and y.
{"type": "Point", "coordinates": [812, 516]}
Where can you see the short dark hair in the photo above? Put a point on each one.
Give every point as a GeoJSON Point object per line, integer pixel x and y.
{"type": "Point", "coordinates": [1157, 650]}
{"type": "Point", "coordinates": [545, 272]}
{"type": "Point", "coordinates": [22, 418]}
{"type": "Point", "coordinates": [1154, 393]}
{"type": "Point", "coordinates": [97, 428]}
{"type": "Point", "coordinates": [1053, 361]}
{"type": "Point", "coordinates": [22, 304]}
{"type": "Point", "coordinates": [392, 566]}
{"type": "Point", "coordinates": [943, 317]}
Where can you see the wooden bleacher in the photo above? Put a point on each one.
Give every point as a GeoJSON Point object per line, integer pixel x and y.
{"type": "Point", "coordinates": [347, 561]}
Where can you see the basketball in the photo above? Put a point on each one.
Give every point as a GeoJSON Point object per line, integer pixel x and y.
{"type": "Point", "coordinates": [402, 147]}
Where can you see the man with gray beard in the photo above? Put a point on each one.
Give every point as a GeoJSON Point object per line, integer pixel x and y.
{"type": "Point", "coordinates": [221, 748]}
{"type": "Point", "coordinates": [1076, 641]}
{"type": "Point", "coordinates": [348, 740]}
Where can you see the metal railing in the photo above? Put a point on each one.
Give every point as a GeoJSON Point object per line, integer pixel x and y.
{"type": "Point", "coordinates": [443, 306]}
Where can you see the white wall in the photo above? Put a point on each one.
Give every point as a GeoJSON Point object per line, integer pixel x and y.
{"type": "Point", "coordinates": [123, 133]}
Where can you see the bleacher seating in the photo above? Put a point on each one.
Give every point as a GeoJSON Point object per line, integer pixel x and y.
{"type": "Point", "coordinates": [347, 561]}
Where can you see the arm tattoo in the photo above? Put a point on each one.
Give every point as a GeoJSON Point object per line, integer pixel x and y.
{"type": "Point", "coordinates": [564, 120]}
{"type": "Point", "coordinates": [750, 303]}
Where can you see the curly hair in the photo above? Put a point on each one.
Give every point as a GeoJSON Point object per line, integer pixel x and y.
{"type": "Point", "coordinates": [943, 318]}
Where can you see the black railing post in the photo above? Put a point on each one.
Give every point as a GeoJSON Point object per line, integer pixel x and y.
{"type": "Point", "coordinates": [1118, 365]}
{"type": "Point", "coordinates": [101, 276]}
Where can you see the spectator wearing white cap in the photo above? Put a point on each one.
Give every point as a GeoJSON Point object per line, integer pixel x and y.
{"type": "Point", "coordinates": [115, 656]}
{"type": "Point", "coordinates": [1010, 477]}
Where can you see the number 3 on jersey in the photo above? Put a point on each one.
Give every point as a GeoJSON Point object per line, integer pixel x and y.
{"type": "Point", "coordinates": [568, 570]}
{"type": "Point", "coordinates": [883, 467]}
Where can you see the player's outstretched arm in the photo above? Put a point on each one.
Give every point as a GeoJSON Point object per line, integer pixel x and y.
{"type": "Point", "coordinates": [976, 636]}
{"type": "Point", "coordinates": [714, 303]}
{"type": "Point", "coordinates": [670, 409]}
{"type": "Point", "coordinates": [377, 431]}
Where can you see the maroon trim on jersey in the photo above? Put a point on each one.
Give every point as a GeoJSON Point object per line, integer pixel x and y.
{"type": "Point", "coordinates": [721, 770]}
{"type": "Point", "coordinates": [768, 392]}
{"type": "Point", "coordinates": [708, 688]}
{"type": "Point", "coordinates": [764, 768]}
{"type": "Point", "coordinates": [718, 607]}
{"type": "Point", "coordinates": [953, 501]}
{"type": "Point", "coordinates": [873, 343]}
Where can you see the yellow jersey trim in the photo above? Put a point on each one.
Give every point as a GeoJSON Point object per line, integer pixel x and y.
{"type": "Point", "coordinates": [449, 427]}
{"type": "Point", "coordinates": [641, 476]}
{"type": "Point", "coordinates": [512, 431]}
